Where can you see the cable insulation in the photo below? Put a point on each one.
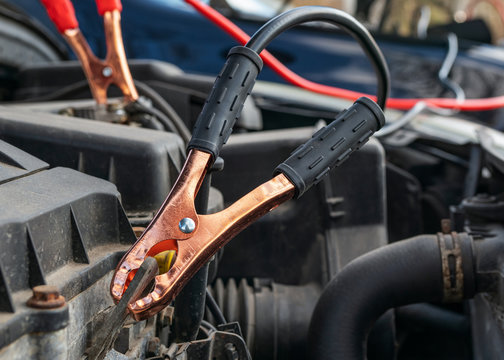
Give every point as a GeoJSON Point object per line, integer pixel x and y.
{"type": "Point", "coordinates": [159, 102]}
{"type": "Point", "coordinates": [229, 27]}
{"type": "Point", "coordinates": [305, 14]}
{"type": "Point", "coordinates": [61, 13]}
{"type": "Point", "coordinates": [447, 66]}
{"type": "Point", "coordinates": [214, 308]}
{"type": "Point", "coordinates": [104, 6]}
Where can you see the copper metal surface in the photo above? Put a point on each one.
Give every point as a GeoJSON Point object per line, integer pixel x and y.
{"type": "Point", "coordinates": [194, 249]}
{"type": "Point", "coordinates": [114, 69]}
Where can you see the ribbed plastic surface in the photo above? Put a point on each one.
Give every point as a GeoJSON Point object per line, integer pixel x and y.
{"type": "Point", "coordinates": [225, 102]}
{"type": "Point", "coordinates": [332, 145]}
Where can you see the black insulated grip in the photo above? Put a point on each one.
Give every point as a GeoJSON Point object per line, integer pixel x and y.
{"type": "Point", "coordinates": [332, 145]}
{"type": "Point", "coordinates": [225, 102]}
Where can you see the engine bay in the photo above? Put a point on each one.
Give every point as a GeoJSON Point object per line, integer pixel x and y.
{"type": "Point", "coordinates": [389, 249]}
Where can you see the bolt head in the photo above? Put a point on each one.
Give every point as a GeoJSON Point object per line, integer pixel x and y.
{"type": "Point", "coordinates": [187, 225]}
{"type": "Point", "coordinates": [107, 71]}
{"type": "Point", "coordinates": [46, 297]}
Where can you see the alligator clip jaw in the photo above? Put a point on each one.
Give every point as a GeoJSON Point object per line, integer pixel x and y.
{"type": "Point", "coordinates": [194, 249]}
{"type": "Point", "coordinates": [164, 231]}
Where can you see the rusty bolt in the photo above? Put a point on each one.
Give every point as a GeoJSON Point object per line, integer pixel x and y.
{"type": "Point", "coordinates": [46, 297]}
{"type": "Point", "coordinates": [445, 226]}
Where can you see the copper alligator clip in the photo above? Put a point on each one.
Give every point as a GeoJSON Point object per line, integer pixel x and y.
{"type": "Point", "coordinates": [196, 238]}
{"type": "Point", "coordinates": [99, 73]}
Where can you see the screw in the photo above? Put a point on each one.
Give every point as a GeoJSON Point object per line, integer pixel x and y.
{"type": "Point", "coordinates": [46, 297]}
{"type": "Point", "coordinates": [107, 71]}
{"type": "Point", "coordinates": [187, 225]}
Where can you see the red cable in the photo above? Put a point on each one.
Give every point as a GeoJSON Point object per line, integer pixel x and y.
{"type": "Point", "coordinates": [62, 12]}
{"type": "Point", "coordinates": [293, 78]}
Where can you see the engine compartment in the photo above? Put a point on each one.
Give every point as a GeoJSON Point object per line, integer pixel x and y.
{"type": "Point", "coordinates": [342, 272]}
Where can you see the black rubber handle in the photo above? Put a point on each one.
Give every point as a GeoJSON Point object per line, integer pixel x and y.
{"type": "Point", "coordinates": [332, 145]}
{"type": "Point", "coordinates": [225, 102]}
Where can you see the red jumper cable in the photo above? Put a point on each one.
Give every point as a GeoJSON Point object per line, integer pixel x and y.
{"type": "Point", "coordinates": [293, 78]}
{"type": "Point", "coordinates": [100, 73]}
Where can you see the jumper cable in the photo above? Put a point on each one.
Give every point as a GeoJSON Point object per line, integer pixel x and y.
{"type": "Point", "coordinates": [238, 34]}
{"type": "Point", "coordinates": [196, 238]}
{"type": "Point", "coordinates": [99, 73]}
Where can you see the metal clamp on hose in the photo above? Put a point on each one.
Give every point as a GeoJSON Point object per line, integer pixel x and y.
{"type": "Point", "coordinates": [451, 247]}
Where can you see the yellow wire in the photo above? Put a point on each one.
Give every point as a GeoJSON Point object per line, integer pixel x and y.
{"type": "Point", "coordinates": [165, 260]}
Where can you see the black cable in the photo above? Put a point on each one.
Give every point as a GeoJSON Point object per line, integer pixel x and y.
{"type": "Point", "coordinates": [300, 15]}
{"type": "Point", "coordinates": [150, 123]}
{"type": "Point", "coordinates": [60, 94]}
{"type": "Point", "coordinates": [421, 106]}
{"type": "Point", "coordinates": [136, 112]}
{"type": "Point", "coordinates": [207, 325]}
{"type": "Point", "coordinates": [166, 114]}
{"type": "Point", "coordinates": [423, 22]}
{"type": "Point", "coordinates": [166, 108]}
{"type": "Point", "coordinates": [409, 116]}
{"type": "Point", "coordinates": [214, 308]}
{"type": "Point", "coordinates": [167, 123]}
{"type": "Point", "coordinates": [447, 65]}
{"type": "Point", "coordinates": [404, 120]}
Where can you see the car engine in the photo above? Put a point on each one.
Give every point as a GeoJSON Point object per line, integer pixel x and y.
{"type": "Point", "coordinates": [135, 225]}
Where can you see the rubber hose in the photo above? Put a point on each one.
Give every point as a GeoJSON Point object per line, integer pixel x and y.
{"type": "Point", "coordinates": [433, 317]}
{"type": "Point", "coordinates": [406, 272]}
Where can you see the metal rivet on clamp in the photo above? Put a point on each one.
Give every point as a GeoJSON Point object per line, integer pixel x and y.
{"type": "Point", "coordinates": [187, 225]}
{"type": "Point", "coordinates": [107, 71]}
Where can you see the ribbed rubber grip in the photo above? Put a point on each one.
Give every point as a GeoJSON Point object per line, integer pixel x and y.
{"type": "Point", "coordinates": [225, 102]}
{"type": "Point", "coordinates": [332, 145]}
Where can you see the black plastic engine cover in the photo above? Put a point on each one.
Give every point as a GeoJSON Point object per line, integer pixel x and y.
{"type": "Point", "coordinates": [311, 238]}
{"type": "Point", "coordinates": [57, 227]}
{"type": "Point", "coordinates": [142, 163]}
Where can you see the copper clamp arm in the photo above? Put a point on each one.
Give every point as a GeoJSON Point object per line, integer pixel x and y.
{"type": "Point", "coordinates": [114, 69]}
{"type": "Point", "coordinates": [209, 233]}
{"type": "Point", "coordinates": [196, 238]}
